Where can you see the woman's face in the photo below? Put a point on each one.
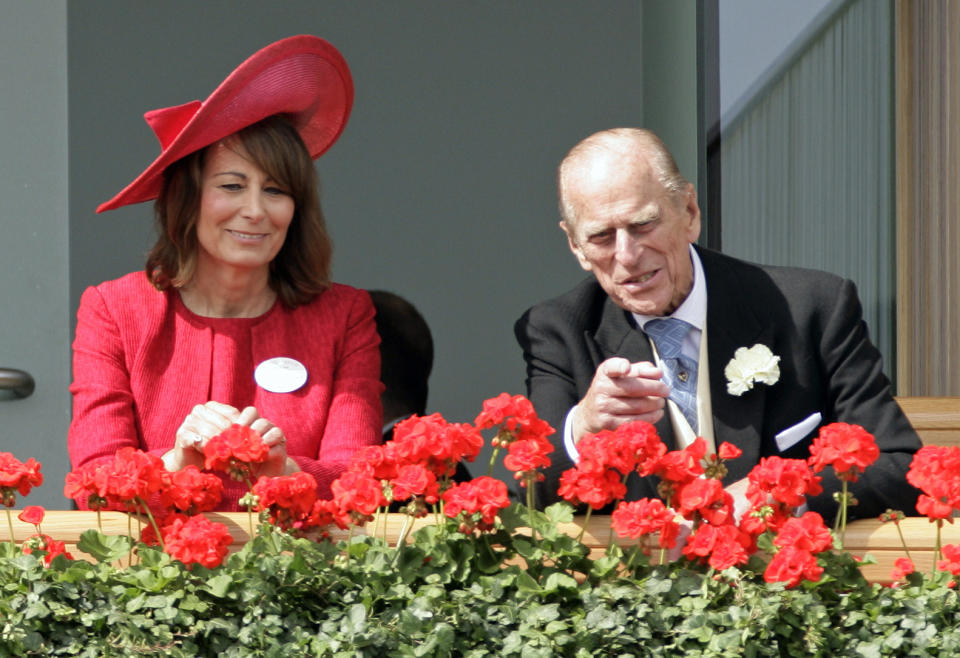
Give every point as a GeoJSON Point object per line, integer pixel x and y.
{"type": "Point", "coordinates": [244, 213]}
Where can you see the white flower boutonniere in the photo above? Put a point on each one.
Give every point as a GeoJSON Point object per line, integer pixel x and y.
{"type": "Point", "coordinates": [748, 366]}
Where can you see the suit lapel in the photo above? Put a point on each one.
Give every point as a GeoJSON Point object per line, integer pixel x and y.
{"type": "Point", "coordinates": [617, 336]}
{"type": "Point", "coordinates": [732, 324]}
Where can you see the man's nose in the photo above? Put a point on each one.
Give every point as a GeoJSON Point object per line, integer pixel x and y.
{"type": "Point", "coordinates": [628, 248]}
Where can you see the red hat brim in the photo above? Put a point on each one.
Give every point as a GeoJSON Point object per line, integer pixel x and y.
{"type": "Point", "coordinates": [303, 77]}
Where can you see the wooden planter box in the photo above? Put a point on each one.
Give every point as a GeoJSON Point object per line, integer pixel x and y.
{"type": "Point", "coordinates": [880, 540]}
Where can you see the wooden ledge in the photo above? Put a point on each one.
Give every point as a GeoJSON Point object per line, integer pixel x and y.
{"type": "Point", "coordinates": [868, 536]}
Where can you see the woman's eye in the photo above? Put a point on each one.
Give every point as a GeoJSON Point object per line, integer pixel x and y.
{"type": "Point", "coordinates": [275, 191]}
{"type": "Point", "coordinates": [231, 187]}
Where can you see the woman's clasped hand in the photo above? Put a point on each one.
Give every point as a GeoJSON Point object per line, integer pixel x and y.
{"type": "Point", "coordinates": [208, 420]}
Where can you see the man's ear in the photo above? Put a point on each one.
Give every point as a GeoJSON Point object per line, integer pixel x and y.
{"type": "Point", "coordinates": [692, 208]}
{"type": "Point", "coordinates": [575, 247]}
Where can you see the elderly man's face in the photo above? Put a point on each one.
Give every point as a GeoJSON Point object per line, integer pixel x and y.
{"type": "Point", "coordinates": [633, 234]}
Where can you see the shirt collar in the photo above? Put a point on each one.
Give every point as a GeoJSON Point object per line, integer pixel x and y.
{"type": "Point", "coordinates": [693, 310]}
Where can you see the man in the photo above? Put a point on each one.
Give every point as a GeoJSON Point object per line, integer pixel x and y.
{"type": "Point", "coordinates": [631, 220]}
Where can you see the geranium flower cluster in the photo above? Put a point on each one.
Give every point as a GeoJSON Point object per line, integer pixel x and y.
{"type": "Point", "coordinates": [33, 514]}
{"type": "Point", "coordinates": [417, 466]}
{"type": "Point", "coordinates": [850, 449]}
{"type": "Point", "coordinates": [136, 481]}
{"type": "Point", "coordinates": [191, 539]}
{"type": "Point", "coordinates": [291, 502]}
{"type": "Point", "coordinates": [690, 483]}
{"type": "Point", "coordinates": [935, 470]}
{"type": "Point", "coordinates": [235, 451]}
{"type": "Point", "coordinates": [17, 477]}
{"type": "Point", "coordinates": [521, 432]}
{"type": "Point", "coordinates": [606, 458]}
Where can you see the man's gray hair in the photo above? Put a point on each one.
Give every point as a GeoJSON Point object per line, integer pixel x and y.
{"type": "Point", "coordinates": [625, 141]}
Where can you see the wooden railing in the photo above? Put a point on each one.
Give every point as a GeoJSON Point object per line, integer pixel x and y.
{"type": "Point", "coordinates": [936, 419]}
{"type": "Point", "coordinates": [862, 537]}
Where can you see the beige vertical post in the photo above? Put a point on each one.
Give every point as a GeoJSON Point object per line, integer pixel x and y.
{"type": "Point", "coordinates": [928, 196]}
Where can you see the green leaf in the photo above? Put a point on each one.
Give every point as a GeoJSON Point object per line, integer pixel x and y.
{"type": "Point", "coordinates": [559, 513]}
{"type": "Point", "coordinates": [104, 548]}
{"type": "Point", "coordinates": [219, 585]}
{"type": "Point", "coordinates": [527, 585]}
{"type": "Point", "coordinates": [559, 581]}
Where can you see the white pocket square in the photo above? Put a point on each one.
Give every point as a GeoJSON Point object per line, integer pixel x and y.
{"type": "Point", "coordinates": [788, 437]}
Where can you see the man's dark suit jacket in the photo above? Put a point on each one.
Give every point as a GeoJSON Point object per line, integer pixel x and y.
{"type": "Point", "coordinates": [811, 320]}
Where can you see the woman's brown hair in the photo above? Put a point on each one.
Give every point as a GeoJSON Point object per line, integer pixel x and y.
{"type": "Point", "coordinates": [301, 269]}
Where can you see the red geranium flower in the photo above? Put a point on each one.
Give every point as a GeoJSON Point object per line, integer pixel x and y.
{"type": "Point", "coordinates": [728, 451]}
{"type": "Point", "coordinates": [374, 461]}
{"type": "Point", "coordinates": [434, 443]}
{"type": "Point", "coordinates": [526, 456]}
{"type": "Point", "coordinates": [933, 509]}
{"type": "Point", "coordinates": [632, 446]}
{"type": "Point", "coordinates": [32, 514]}
{"type": "Point", "coordinates": [476, 502]}
{"type": "Point", "coordinates": [510, 410]}
{"type": "Point", "coordinates": [681, 466]}
{"type": "Point", "coordinates": [848, 448]}
{"type": "Point", "coordinates": [707, 497]}
{"type": "Point", "coordinates": [951, 559]}
{"type": "Point", "coordinates": [191, 491]}
{"type": "Point", "coordinates": [646, 516]}
{"type": "Point", "coordinates": [326, 512]}
{"type": "Point", "coordinates": [936, 471]}
{"type": "Point", "coordinates": [130, 479]}
{"type": "Point", "coordinates": [786, 481]}
{"type": "Point", "coordinates": [46, 543]}
{"type": "Point", "coordinates": [289, 499]}
{"type": "Point", "coordinates": [596, 489]}
{"type": "Point", "coordinates": [791, 565]}
{"type": "Point", "coordinates": [763, 518]}
{"type": "Point", "coordinates": [722, 546]}
{"type": "Point", "coordinates": [358, 495]}
{"type": "Point", "coordinates": [807, 533]}
{"type": "Point", "coordinates": [235, 451]}
{"type": "Point", "coordinates": [195, 540]}
{"type": "Point", "coordinates": [81, 485]}
{"type": "Point", "coordinates": [515, 418]}
{"type": "Point", "coordinates": [17, 476]}
{"type": "Point", "coordinates": [415, 480]}
{"type": "Point", "coordinates": [902, 567]}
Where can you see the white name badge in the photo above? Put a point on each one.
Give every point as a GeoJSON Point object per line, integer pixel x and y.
{"type": "Point", "coordinates": [280, 375]}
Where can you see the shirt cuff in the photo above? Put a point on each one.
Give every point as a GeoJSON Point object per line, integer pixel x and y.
{"type": "Point", "coordinates": [568, 443]}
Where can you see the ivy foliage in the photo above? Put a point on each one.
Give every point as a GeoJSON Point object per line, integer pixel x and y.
{"type": "Point", "coordinates": [447, 594]}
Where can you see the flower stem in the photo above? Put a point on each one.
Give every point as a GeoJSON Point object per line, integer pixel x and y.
{"type": "Point", "coordinates": [493, 460]}
{"type": "Point", "coordinates": [153, 523]}
{"type": "Point", "coordinates": [249, 507]}
{"type": "Point", "coordinates": [531, 499]}
{"type": "Point", "coordinates": [401, 540]}
{"type": "Point", "coordinates": [896, 522]}
{"type": "Point", "coordinates": [583, 528]}
{"type": "Point", "coordinates": [840, 523]}
{"type": "Point", "coordinates": [936, 549]}
{"type": "Point", "coordinates": [10, 524]}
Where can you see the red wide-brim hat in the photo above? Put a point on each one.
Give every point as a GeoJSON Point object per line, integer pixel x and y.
{"type": "Point", "coordinates": [303, 77]}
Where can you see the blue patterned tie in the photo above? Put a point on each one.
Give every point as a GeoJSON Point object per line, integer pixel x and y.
{"type": "Point", "coordinates": [679, 371]}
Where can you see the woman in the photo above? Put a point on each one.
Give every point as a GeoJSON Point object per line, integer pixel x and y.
{"type": "Point", "coordinates": [235, 319]}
